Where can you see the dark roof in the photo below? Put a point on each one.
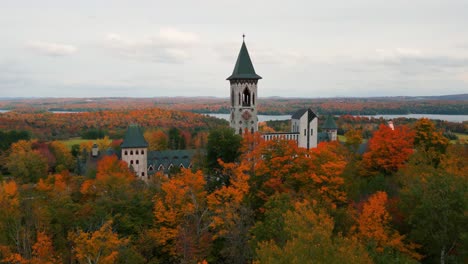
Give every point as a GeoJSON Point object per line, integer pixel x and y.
{"type": "Point", "coordinates": [330, 123]}
{"type": "Point", "coordinates": [134, 138]}
{"type": "Point", "coordinates": [244, 68]}
{"type": "Point", "coordinates": [168, 157]}
{"type": "Point", "coordinates": [299, 113]}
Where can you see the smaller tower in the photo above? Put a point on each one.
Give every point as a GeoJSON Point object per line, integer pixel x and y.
{"type": "Point", "coordinates": [305, 122]}
{"type": "Point", "coordinates": [330, 128]}
{"type": "Point", "coordinates": [135, 151]}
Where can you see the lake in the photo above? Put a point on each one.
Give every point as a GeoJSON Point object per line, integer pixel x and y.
{"type": "Point", "coordinates": [450, 118]}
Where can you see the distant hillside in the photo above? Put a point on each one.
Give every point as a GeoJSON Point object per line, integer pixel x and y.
{"type": "Point", "coordinates": [444, 104]}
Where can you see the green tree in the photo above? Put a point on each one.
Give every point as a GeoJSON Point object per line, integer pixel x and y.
{"type": "Point", "coordinates": [222, 144]}
{"type": "Point", "coordinates": [435, 203]}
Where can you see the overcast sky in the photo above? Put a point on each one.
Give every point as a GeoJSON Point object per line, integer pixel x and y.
{"type": "Point", "coordinates": [307, 48]}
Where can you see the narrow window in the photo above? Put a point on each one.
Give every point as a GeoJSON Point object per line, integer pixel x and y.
{"type": "Point", "coordinates": [137, 162]}
{"type": "Point", "coordinates": [311, 131]}
{"type": "Point", "coordinates": [131, 162]}
{"type": "Point", "coordinates": [305, 132]}
{"type": "Point", "coordinates": [239, 99]}
{"type": "Point", "coordinates": [252, 130]}
{"type": "Point", "coordinates": [142, 152]}
{"type": "Point", "coordinates": [246, 97]}
{"type": "Point", "coordinates": [240, 131]}
{"type": "Point", "coordinates": [131, 152]}
{"type": "Point", "coordinates": [126, 153]}
{"type": "Point", "coordinates": [136, 152]}
{"type": "Point", "coordinates": [253, 99]}
{"type": "Point", "coordinates": [142, 174]}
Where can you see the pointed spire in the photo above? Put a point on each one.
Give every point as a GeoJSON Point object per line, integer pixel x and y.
{"type": "Point", "coordinates": [330, 123]}
{"type": "Point", "coordinates": [134, 138]}
{"type": "Point", "coordinates": [244, 68]}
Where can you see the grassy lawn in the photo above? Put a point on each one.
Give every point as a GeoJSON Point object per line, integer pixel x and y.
{"type": "Point", "coordinates": [72, 141]}
{"type": "Point", "coordinates": [461, 137]}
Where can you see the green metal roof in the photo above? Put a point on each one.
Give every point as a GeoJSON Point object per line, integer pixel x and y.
{"type": "Point", "coordinates": [244, 68]}
{"type": "Point", "coordinates": [134, 138]}
{"type": "Point", "coordinates": [330, 123]}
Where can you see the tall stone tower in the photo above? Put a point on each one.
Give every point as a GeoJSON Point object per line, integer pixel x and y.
{"type": "Point", "coordinates": [244, 94]}
{"type": "Point", "coordinates": [135, 151]}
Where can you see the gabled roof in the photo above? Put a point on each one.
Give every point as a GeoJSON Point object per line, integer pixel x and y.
{"type": "Point", "coordinates": [330, 123]}
{"type": "Point", "coordinates": [244, 68]}
{"type": "Point", "coordinates": [166, 158]}
{"type": "Point", "coordinates": [299, 113]}
{"type": "Point", "coordinates": [134, 138]}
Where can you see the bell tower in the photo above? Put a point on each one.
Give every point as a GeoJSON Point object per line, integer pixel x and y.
{"type": "Point", "coordinates": [244, 94]}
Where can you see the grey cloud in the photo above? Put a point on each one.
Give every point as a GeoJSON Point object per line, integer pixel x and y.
{"type": "Point", "coordinates": [169, 46]}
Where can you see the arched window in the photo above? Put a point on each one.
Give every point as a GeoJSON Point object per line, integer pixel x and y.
{"type": "Point", "coordinates": [126, 153]}
{"type": "Point", "coordinates": [246, 97]}
{"type": "Point", "coordinates": [131, 152]}
{"type": "Point", "coordinates": [142, 174]}
{"type": "Point", "coordinates": [253, 98]}
{"type": "Point", "coordinates": [232, 98]}
{"type": "Point", "coordinates": [136, 152]}
{"type": "Point", "coordinates": [142, 152]}
{"type": "Point", "coordinates": [239, 99]}
{"type": "Point", "coordinates": [131, 162]}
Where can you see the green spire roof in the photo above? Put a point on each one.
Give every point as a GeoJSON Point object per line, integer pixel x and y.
{"type": "Point", "coordinates": [330, 123]}
{"type": "Point", "coordinates": [134, 138]}
{"type": "Point", "coordinates": [244, 68]}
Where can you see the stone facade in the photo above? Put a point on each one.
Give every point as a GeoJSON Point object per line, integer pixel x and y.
{"type": "Point", "coordinates": [243, 106]}
{"type": "Point", "coordinates": [137, 159]}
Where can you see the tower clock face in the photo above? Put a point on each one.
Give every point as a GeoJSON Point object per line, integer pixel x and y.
{"type": "Point", "coordinates": [246, 115]}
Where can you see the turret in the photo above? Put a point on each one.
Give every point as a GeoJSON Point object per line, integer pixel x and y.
{"type": "Point", "coordinates": [135, 150]}
{"type": "Point", "coordinates": [330, 128]}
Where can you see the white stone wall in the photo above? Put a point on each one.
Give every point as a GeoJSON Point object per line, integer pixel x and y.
{"type": "Point", "coordinates": [313, 136]}
{"type": "Point", "coordinates": [237, 120]}
{"type": "Point", "coordinates": [141, 169]}
{"type": "Point", "coordinates": [300, 125]}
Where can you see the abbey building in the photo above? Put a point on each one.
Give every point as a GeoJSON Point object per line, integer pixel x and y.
{"type": "Point", "coordinates": [244, 119]}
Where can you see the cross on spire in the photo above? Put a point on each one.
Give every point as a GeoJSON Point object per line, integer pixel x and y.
{"type": "Point", "coordinates": [243, 37]}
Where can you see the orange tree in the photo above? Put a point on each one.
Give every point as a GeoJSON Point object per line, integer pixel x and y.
{"type": "Point", "coordinates": [388, 150]}
{"type": "Point", "coordinates": [181, 217]}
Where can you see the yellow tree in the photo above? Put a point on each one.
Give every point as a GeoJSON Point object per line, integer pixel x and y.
{"type": "Point", "coordinates": [25, 163]}
{"type": "Point", "coordinates": [63, 156]}
{"type": "Point", "coordinates": [181, 216]}
{"type": "Point", "coordinates": [98, 247]}
{"type": "Point", "coordinates": [311, 240]}
{"type": "Point", "coordinates": [157, 140]}
{"type": "Point", "coordinates": [353, 139]}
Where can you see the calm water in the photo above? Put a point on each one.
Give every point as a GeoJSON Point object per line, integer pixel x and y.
{"type": "Point", "coordinates": [261, 118]}
{"type": "Point", "coordinates": [450, 118]}
{"type": "Point", "coordinates": [4, 111]}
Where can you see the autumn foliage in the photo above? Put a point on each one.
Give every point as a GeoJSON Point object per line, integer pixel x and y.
{"type": "Point", "coordinates": [389, 150]}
